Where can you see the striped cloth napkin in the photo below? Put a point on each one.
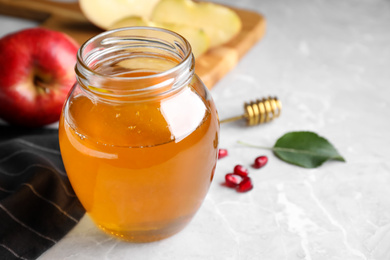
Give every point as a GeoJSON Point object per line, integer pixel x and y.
{"type": "Point", "coordinates": [37, 204]}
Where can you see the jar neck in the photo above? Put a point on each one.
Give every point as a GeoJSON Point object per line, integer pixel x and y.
{"type": "Point", "coordinates": [134, 63]}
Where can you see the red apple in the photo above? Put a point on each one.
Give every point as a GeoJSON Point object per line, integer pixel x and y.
{"type": "Point", "coordinates": [36, 74]}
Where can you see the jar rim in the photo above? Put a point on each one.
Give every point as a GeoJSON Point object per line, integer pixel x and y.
{"type": "Point", "coordinates": [183, 62]}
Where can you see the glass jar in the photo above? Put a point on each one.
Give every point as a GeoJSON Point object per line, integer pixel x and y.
{"type": "Point", "coordinates": [139, 133]}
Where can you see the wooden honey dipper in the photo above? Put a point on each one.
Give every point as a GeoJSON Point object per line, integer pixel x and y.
{"type": "Point", "coordinates": [259, 111]}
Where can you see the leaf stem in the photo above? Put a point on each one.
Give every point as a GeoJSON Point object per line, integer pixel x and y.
{"type": "Point", "coordinates": [291, 150]}
{"type": "Point", "coordinates": [256, 146]}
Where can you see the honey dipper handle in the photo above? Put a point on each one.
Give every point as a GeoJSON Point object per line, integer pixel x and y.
{"type": "Point", "coordinates": [231, 119]}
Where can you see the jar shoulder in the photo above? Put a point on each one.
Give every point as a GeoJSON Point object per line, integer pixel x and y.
{"type": "Point", "coordinates": [144, 123]}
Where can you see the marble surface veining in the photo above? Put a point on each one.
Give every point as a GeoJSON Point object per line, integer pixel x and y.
{"type": "Point", "coordinates": [329, 64]}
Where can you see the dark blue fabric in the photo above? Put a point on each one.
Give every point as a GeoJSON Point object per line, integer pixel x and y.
{"type": "Point", "coordinates": [37, 203]}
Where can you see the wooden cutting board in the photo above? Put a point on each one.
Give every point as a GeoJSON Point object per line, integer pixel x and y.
{"type": "Point", "coordinates": [68, 18]}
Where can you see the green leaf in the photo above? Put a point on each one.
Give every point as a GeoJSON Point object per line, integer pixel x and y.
{"type": "Point", "coordinates": [305, 149]}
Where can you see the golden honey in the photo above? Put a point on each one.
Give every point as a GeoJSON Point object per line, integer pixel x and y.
{"type": "Point", "coordinates": [141, 164]}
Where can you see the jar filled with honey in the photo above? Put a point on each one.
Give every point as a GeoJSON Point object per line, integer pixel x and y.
{"type": "Point", "coordinates": [139, 133]}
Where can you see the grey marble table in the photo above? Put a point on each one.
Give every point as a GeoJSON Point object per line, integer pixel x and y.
{"type": "Point", "coordinates": [329, 63]}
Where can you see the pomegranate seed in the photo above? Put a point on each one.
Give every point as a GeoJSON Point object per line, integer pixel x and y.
{"type": "Point", "coordinates": [222, 153]}
{"type": "Point", "coordinates": [241, 170]}
{"type": "Point", "coordinates": [260, 161]}
{"type": "Point", "coordinates": [245, 185]}
{"type": "Point", "coordinates": [232, 180]}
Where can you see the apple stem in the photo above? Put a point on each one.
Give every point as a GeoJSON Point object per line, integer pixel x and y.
{"type": "Point", "coordinates": [42, 86]}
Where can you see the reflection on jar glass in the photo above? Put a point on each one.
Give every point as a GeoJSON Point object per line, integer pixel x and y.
{"type": "Point", "coordinates": [139, 133]}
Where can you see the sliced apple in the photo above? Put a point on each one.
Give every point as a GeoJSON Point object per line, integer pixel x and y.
{"type": "Point", "coordinates": [220, 23]}
{"type": "Point", "coordinates": [198, 39]}
{"type": "Point", "coordinates": [104, 13]}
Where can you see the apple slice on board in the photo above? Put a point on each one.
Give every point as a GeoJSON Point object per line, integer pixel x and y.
{"type": "Point", "coordinates": [198, 39]}
{"type": "Point", "coordinates": [103, 13]}
{"type": "Point", "coordinates": [220, 23]}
